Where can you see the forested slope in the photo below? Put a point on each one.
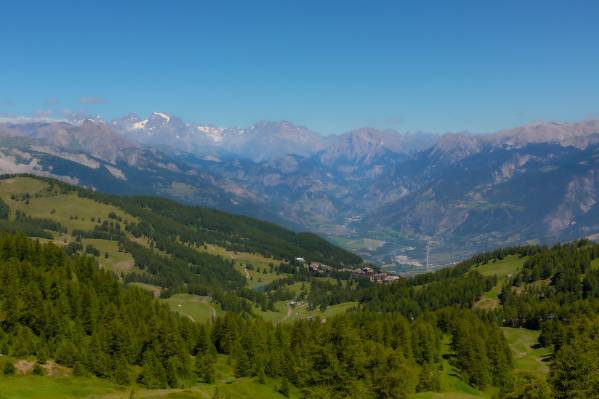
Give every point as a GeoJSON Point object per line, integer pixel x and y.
{"type": "Point", "coordinates": [270, 321]}
{"type": "Point", "coordinates": [156, 241]}
{"type": "Point", "coordinates": [167, 219]}
{"type": "Point", "coordinates": [55, 306]}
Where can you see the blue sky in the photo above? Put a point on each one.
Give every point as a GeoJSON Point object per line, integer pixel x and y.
{"type": "Point", "coordinates": [330, 65]}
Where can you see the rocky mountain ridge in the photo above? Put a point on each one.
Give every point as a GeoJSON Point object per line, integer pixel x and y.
{"type": "Point", "coordinates": [263, 140]}
{"type": "Point", "coordinates": [383, 194]}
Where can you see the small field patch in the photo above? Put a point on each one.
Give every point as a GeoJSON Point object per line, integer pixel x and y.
{"type": "Point", "coordinates": [503, 269]}
{"type": "Point", "coordinates": [452, 386]}
{"type": "Point", "coordinates": [528, 356]}
{"type": "Point", "coordinates": [510, 265]}
{"type": "Point", "coordinates": [116, 260]}
{"type": "Point", "coordinates": [35, 387]}
{"type": "Point", "coordinates": [197, 308]}
{"type": "Point", "coordinates": [70, 210]}
{"type": "Point", "coordinates": [21, 185]}
{"type": "Point", "coordinates": [154, 289]}
{"type": "Point", "coordinates": [284, 312]}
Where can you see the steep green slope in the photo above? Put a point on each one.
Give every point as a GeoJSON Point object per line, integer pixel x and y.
{"type": "Point", "coordinates": [528, 354]}
{"type": "Point", "coordinates": [190, 224]}
{"type": "Point", "coordinates": [160, 243]}
{"type": "Point", "coordinates": [504, 269]}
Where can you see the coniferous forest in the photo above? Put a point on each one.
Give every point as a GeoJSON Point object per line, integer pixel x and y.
{"type": "Point", "coordinates": [65, 308]}
{"type": "Point", "coordinates": [58, 304]}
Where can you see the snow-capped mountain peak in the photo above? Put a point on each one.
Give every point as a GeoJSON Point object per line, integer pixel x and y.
{"type": "Point", "coordinates": [162, 115]}
{"type": "Point", "coordinates": [213, 132]}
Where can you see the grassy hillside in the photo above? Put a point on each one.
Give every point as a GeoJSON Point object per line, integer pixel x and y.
{"type": "Point", "coordinates": [35, 387]}
{"type": "Point", "coordinates": [286, 312]}
{"type": "Point", "coordinates": [259, 270]}
{"type": "Point", "coordinates": [528, 357]}
{"type": "Point", "coordinates": [45, 199]}
{"type": "Point", "coordinates": [528, 354]}
{"type": "Point", "coordinates": [452, 386]}
{"type": "Point", "coordinates": [156, 240]}
{"type": "Point", "coordinates": [110, 256]}
{"type": "Point", "coordinates": [150, 242]}
{"type": "Point", "coordinates": [235, 232]}
{"type": "Point", "coordinates": [74, 208]}
{"type": "Point", "coordinates": [503, 269]}
{"type": "Point", "coordinates": [197, 308]}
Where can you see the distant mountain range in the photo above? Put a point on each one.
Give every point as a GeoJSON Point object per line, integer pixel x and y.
{"type": "Point", "coordinates": [384, 194]}
{"type": "Point", "coordinates": [263, 140]}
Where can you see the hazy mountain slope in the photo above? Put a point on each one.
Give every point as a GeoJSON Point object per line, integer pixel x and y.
{"type": "Point", "coordinates": [381, 193]}
{"type": "Point", "coordinates": [541, 191]}
{"type": "Point", "coordinates": [260, 141]}
{"type": "Point", "coordinates": [91, 154]}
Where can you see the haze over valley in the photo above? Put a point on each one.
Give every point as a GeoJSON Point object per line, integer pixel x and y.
{"type": "Point", "coordinates": [385, 194]}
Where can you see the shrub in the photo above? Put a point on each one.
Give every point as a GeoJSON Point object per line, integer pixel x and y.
{"type": "Point", "coordinates": [9, 368]}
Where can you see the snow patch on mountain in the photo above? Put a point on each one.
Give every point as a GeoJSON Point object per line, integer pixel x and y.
{"type": "Point", "coordinates": [214, 133]}
{"type": "Point", "coordinates": [162, 115]}
{"type": "Point", "coordinates": [139, 125]}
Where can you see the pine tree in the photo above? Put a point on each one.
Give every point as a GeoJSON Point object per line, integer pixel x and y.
{"type": "Point", "coordinates": [153, 374]}
{"type": "Point", "coordinates": [121, 372]}
{"type": "Point", "coordinates": [429, 378]}
{"type": "Point", "coordinates": [203, 342]}
{"type": "Point", "coordinates": [242, 363]}
{"type": "Point", "coordinates": [204, 368]}
{"type": "Point", "coordinates": [172, 371]}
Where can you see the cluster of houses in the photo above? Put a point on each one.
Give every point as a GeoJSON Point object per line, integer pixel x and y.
{"type": "Point", "coordinates": [373, 275]}
{"type": "Point", "coordinates": [361, 272]}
